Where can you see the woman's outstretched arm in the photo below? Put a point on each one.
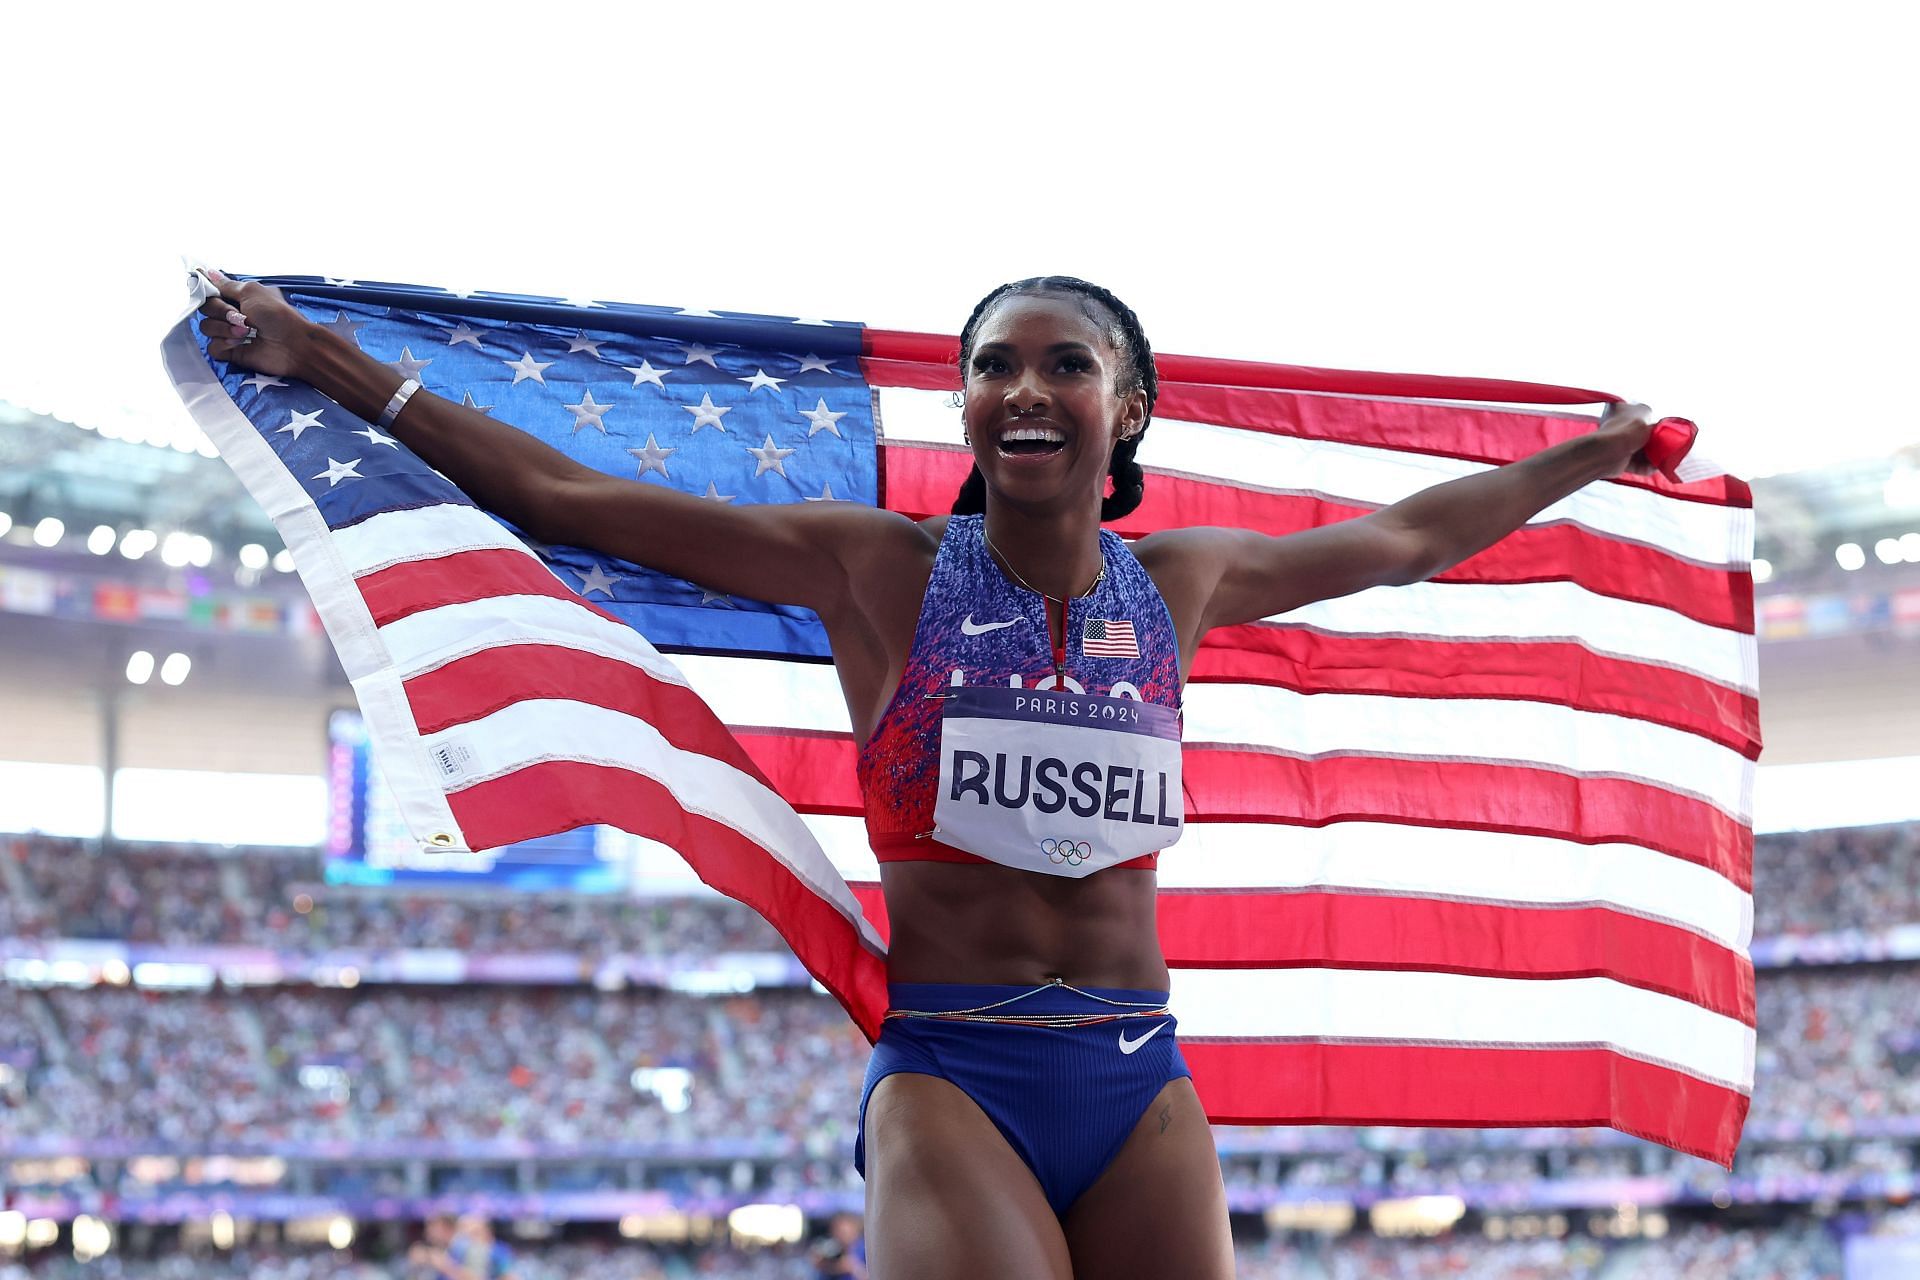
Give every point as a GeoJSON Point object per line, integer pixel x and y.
{"type": "Point", "coordinates": [803, 554]}
{"type": "Point", "coordinates": [1222, 577]}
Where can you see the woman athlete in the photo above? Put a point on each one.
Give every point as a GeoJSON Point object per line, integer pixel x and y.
{"type": "Point", "coordinates": [1027, 1112]}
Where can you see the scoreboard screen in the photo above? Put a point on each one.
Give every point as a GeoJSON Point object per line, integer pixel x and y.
{"type": "Point", "coordinates": [368, 844]}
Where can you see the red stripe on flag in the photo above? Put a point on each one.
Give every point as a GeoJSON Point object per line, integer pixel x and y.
{"type": "Point", "coordinates": [561, 795]}
{"type": "Point", "coordinates": [1228, 783]}
{"type": "Point", "coordinates": [1555, 671]}
{"type": "Point", "coordinates": [1263, 929]}
{"type": "Point", "coordinates": [1263, 1082]}
{"type": "Point", "coordinates": [414, 586]}
{"type": "Point", "coordinates": [922, 479]}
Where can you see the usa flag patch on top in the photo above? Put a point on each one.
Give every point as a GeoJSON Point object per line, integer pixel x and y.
{"type": "Point", "coordinates": [1107, 638]}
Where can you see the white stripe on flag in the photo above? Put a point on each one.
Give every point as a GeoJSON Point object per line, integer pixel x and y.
{"type": "Point", "coordinates": [424, 533]}
{"type": "Point", "coordinates": [1401, 1007]}
{"type": "Point", "coordinates": [431, 638]}
{"type": "Point", "coordinates": [1544, 611]}
{"type": "Point", "coordinates": [1364, 475]}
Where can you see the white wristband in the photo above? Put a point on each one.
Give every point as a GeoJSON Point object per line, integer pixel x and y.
{"type": "Point", "coordinates": [399, 402]}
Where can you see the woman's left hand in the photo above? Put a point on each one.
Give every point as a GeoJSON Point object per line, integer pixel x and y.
{"type": "Point", "coordinates": [1627, 427]}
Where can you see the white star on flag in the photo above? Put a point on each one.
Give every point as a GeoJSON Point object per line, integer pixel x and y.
{"type": "Point", "coordinates": [462, 332]}
{"type": "Point", "coordinates": [714, 495]}
{"type": "Point", "coordinates": [707, 414]}
{"type": "Point", "coordinates": [581, 342]}
{"type": "Point", "coordinates": [406, 366]}
{"type": "Point", "coordinates": [812, 361]}
{"type": "Point", "coordinates": [598, 579]}
{"type": "Point", "coordinates": [696, 353]}
{"type": "Point", "coordinates": [348, 329]}
{"type": "Point", "coordinates": [527, 367]}
{"type": "Point", "coordinates": [647, 373]}
{"type": "Point", "coordinates": [770, 457]}
{"type": "Point", "coordinates": [822, 418]}
{"type": "Point", "coordinates": [652, 457]}
{"type": "Point", "coordinates": [467, 400]}
{"type": "Point", "coordinates": [301, 421]}
{"type": "Point", "coordinates": [373, 434]}
{"type": "Point", "coordinates": [337, 471]}
{"type": "Point", "coordinates": [261, 381]}
{"type": "Point", "coordinates": [826, 493]}
{"type": "Point", "coordinates": [587, 413]}
{"type": "Point", "coordinates": [761, 378]}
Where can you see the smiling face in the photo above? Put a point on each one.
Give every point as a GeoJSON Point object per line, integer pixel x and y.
{"type": "Point", "coordinates": [1042, 401]}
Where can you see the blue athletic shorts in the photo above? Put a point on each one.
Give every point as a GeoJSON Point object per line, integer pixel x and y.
{"type": "Point", "coordinates": [1066, 1099]}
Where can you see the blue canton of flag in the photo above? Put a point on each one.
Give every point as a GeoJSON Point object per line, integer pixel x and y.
{"type": "Point", "coordinates": [741, 409]}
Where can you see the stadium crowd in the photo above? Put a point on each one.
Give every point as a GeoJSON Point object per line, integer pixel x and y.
{"type": "Point", "coordinates": [558, 1065]}
{"type": "Point", "coordinates": [277, 899]}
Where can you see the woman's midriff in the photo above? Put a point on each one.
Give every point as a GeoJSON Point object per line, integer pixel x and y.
{"type": "Point", "coordinates": [956, 922]}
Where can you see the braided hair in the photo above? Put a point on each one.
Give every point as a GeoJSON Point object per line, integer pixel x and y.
{"type": "Point", "coordinates": [1137, 373]}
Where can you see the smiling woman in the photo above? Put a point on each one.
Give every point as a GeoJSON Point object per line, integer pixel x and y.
{"type": "Point", "coordinates": [1136, 373]}
{"type": "Point", "coordinates": [1028, 1110]}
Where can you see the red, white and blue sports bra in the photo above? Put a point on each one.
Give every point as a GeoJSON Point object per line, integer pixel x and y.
{"type": "Point", "coordinates": [987, 750]}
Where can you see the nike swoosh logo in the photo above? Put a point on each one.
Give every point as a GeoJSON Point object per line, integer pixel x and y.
{"type": "Point", "coordinates": [1128, 1046]}
{"type": "Point", "coordinates": [969, 627]}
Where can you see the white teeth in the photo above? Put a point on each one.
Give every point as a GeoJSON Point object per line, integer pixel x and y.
{"type": "Point", "coordinates": [1047, 434]}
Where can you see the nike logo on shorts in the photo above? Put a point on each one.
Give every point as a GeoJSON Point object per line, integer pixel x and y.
{"type": "Point", "coordinates": [969, 627]}
{"type": "Point", "coordinates": [1128, 1046]}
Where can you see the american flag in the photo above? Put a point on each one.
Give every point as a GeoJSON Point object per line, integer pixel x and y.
{"type": "Point", "coordinates": [1105, 638]}
{"type": "Point", "coordinates": [1473, 852]}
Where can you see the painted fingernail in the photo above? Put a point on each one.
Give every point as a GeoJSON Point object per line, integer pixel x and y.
{"type": "Point", "coordinates": [238, 328]}
{"type": "Point", "coordinates": [234, 317]}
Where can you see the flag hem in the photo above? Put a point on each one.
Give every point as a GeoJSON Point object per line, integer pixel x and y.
{"type": "Point", "coordinates": [349, 625]}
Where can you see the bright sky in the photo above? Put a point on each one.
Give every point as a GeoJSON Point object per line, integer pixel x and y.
{"type": "Point", "coordinates": [1705, 207]}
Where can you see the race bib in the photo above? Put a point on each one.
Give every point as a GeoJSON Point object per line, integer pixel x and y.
{"type": "Point", "coordinates": [1064, 783]}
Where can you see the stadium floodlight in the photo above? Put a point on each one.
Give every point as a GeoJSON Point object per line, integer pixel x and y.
{"type": "Point", "coordinates": [175, 668]}
{"type": "Point", "coordinates": [340, 1233]}
{"type": "Point", "coordinates": [283, 560]}
{"type": "Point", "coordinates": [49, 531]}
{"type": "Point", "coordinates": [199, 550]}
{"type": "Point", "coordinates": [91, 1238]}
{"type": "Point", "coordinates": [1887, 551]}
{"type": "Point", "coordinates": [253, 556]}
{"type": "Point", "coordinates": [1762, 569]}
{"type": "Point", "coordinates": [135, 543]}
{"type": "Point", "coordinates": [101, 540]}
{"type": "Point", "coordinates": [176, 549]}
{"type": "Point", "coordinates": [6, 523]}
{"type": "Point", "coordinates": [1910, 547]}
{"type": "Point", "coordinates": [139, 667]}
{"type": "Point", "coordinates": [1849, 556]}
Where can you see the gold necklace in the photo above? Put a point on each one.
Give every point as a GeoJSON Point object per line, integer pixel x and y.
{"type": "Point", "coordinates": [1007, 564]}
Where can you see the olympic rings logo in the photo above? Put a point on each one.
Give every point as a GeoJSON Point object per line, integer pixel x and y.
{"type": "Point", "coordinates": [1070, 852]}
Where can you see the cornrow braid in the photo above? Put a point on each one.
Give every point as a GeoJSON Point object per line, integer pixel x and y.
{"type": "Point", "coordinates": [1137, 373]}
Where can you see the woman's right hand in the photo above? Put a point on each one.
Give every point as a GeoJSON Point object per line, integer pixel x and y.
{"type": "Point", "coordinates": [253, 326]}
